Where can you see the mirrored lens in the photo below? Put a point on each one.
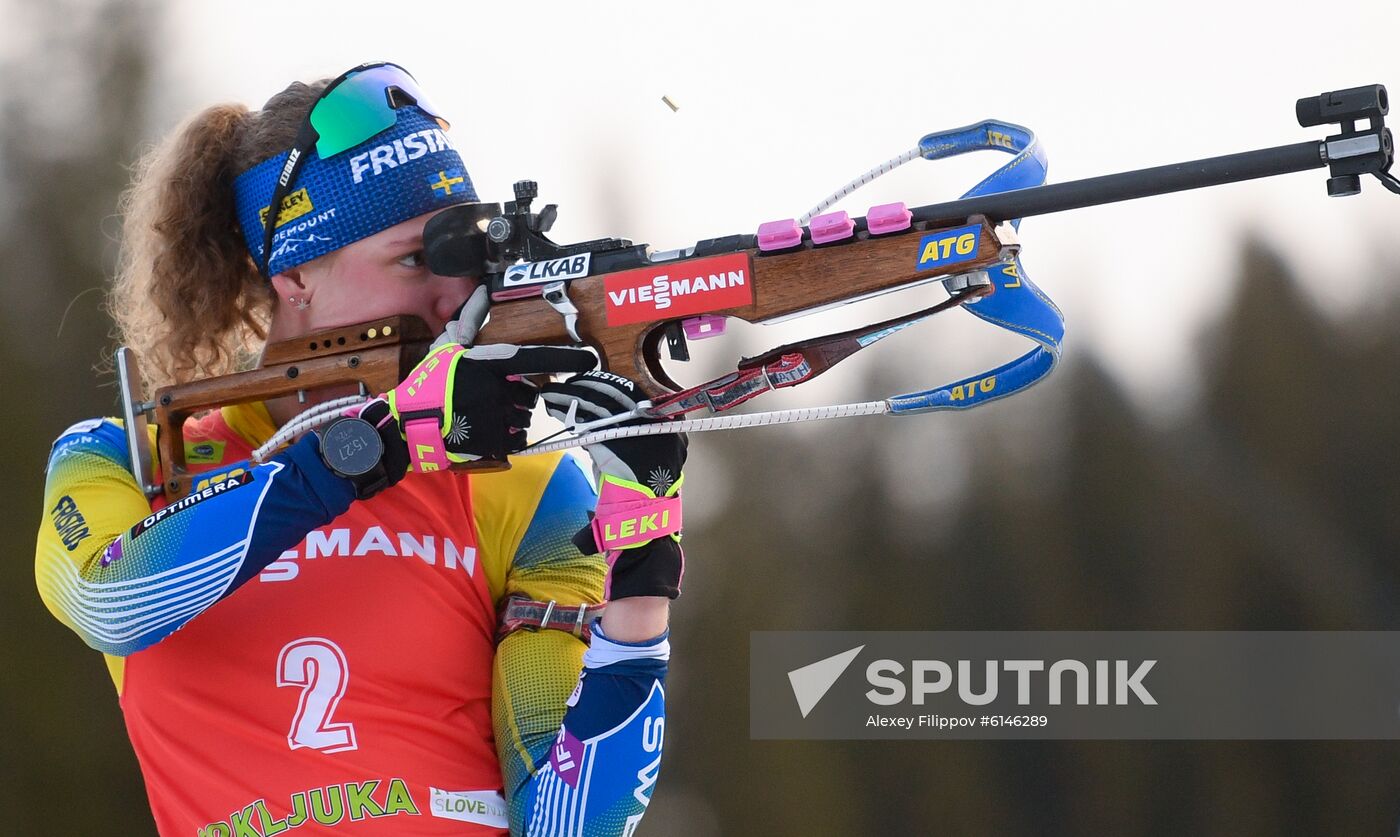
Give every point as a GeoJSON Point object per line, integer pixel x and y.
{"type": "Point", "coordinates": [362, 105]}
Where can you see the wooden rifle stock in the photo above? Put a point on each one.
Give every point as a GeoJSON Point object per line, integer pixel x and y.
{"type": "Point", "coordinates": [374, 356]}
{"type": "Point", "coordinates": [791, 282]}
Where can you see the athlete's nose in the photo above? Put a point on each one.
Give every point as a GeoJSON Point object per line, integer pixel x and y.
{"type": "Point", "coordinates": [454, 293]}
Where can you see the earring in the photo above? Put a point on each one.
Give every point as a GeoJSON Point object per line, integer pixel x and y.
{"type": "Point", "coordinates": [301, 303]}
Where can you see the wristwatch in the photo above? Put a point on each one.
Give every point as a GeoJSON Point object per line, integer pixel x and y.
{"type": "Point", "coordinates": [353, 449]}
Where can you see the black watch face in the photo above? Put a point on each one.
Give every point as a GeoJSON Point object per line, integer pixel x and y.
{"type": "Point", "coordinates": [351, 447]}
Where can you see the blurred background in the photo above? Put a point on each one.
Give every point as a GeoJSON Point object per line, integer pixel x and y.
{"type": "Point", "coordinates": [1219, 450]}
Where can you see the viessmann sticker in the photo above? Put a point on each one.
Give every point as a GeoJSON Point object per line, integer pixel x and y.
{"type": "Point", "coordinates": [679, 289]}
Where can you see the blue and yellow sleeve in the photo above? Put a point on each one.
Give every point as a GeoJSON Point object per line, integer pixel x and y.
{"type": "Point", "coordinates": [525, 518]}
{"type": "Point", "coordinates": [596, 765]}
{"type": "Point", "coordinates": [123, 576]}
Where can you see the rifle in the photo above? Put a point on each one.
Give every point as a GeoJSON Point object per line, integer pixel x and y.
{"type": "Point", "coordinates": [624, 300]}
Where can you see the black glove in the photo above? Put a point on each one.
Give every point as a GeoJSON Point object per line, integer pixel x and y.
{"type": "Point", "coordinates": [462, 405]}
{"type": "Point", "coordinates": [655, 462]}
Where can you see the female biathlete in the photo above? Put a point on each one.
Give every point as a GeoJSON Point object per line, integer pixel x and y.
{"type": "Point", "coordinates": [302, 643]}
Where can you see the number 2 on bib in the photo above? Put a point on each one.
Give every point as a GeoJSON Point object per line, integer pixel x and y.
{"type": "Point", "coordinates": [318, 666]}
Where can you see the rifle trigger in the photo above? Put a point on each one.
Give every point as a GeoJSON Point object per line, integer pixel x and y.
{"type": "Point", "coordinates": [675, 341]}
{"type": "Point", "coordinates": [557, 295]}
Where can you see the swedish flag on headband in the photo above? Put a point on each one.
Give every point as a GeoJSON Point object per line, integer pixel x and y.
{"type": "Point", "coordinates": [449, 182]}
{"type": "Point", "coordinates": [400, 173]}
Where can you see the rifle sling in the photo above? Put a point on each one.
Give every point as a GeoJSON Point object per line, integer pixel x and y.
{"type": "Point", "coordinates": [1017, 306]}
{"type": "Point", "coordinates": [795, 363]}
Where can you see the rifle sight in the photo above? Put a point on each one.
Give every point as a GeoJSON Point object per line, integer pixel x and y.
{"type": "Point", "coordinates": [1353, 152]}
{"type": "Point", "coordinates": [483, 239]}
{"type": "Point", "coordinates": [1341, 106]}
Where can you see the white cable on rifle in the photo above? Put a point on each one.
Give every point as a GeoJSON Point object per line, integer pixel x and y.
{"type": "Point", "coordinates": [326, 413]}
{"type": "Point", "coordinates": [864, 408]}
{"type": "Point", "coordinates": [307, 419]}
{"type": "Point", "coordinates": [884, 168]}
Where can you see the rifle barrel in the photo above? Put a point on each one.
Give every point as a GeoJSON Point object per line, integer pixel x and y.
{"type": "Point", "coordinates": [1110, 188]}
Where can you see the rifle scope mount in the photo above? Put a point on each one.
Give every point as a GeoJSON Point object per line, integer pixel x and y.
{"type": "Point", "coordinates": [1353, 152]}
{"type": "Point", "coordinates": [474, 239]}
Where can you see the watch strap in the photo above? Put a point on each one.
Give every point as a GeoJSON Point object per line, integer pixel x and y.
{"type": "Point", "coordinates": [520, 613]}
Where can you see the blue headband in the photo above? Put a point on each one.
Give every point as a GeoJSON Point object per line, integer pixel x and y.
{"type": "Point", "coordinates": [403, 172]}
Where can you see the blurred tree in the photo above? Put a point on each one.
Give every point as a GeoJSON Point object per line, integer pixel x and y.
{"type": "Point", "coordinates": [71, 115]}
{"type": "Point", "coordinates": [1315, 423]}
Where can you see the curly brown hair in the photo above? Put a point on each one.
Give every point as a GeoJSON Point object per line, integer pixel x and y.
{"type": "Point", "coordinates": [187, 298]}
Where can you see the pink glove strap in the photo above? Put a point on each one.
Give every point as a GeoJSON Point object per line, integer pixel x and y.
{"type": "Point", "coordinates": [627, 517]}
{"type": "Point", "coordinates": [421, 402]}
{"type": "Point", "coordinates": [425, 449]}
